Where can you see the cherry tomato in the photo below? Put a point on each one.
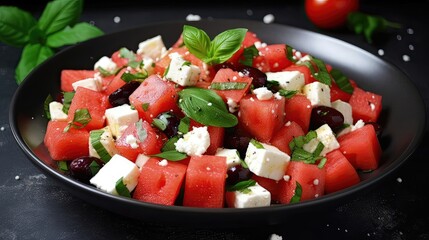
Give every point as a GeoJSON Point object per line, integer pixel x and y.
{"type": "Point", "coordinates": [330, 14]}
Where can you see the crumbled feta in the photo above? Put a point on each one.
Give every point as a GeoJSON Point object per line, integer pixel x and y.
{"type": "Point", "coordinates": [141, 160]}
{"type": "Point", "coordinates": [163, 163]}
{"type": "Point", "coordinates": [90, 83]}
{"type": "Point", "coordinates": [182, 73]}
{"type": "Point", "coordinates": [345, 109]}
{"type": "Point", "coordinates": [254, 196]}
{"type": "Point", "coordinates": [148, 65]}
{"type": "Point", "coordinates": [232, 105]}
{"type": "Point", "coordinates": [153, 48]}
{"type": "Point", "coordinates": [360, 123]}
{"type": "Point", "coordinates": [132, 141]}
{"type": "Point", "coordinates": [118, 167]}
{"type": "Point", "coordinates": [56, 111]}
{"type": "Point", "coordinates": [232, 156]}
{"type": "Point", "coordinates": [303, 59]}
{"type": "Point", "coordinates": [118, 118]}
{"type": "Point", "coordinates": [263, 93]}
{"type": "Point", "coordinates": [195, 142]}
{"type": "Point", "coordinates": [268, 162]}
{"type": "Point", "coordinates": [105, 63]}
{"type": "Point", "coordinates": [318, 93]}
{"type": "Point", "coordinates": [288, 80]}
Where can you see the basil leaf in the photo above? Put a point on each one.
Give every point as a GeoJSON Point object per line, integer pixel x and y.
{"type": "Point", "coordinates": [184, 125]}
{"type": "Point", "coordinates": [342, 81]}
{"type": "Point", "coordinates": [289, 54]}
{"type": "Point", "coordinates": [48, 100]}
{"type": "Point", "coordinates": [72, 35]}
{"type": "Point", "coordinates": [298, 192]}
{"type": "Point", "coordinates": [95, 141]}
{"type": "Point", "coordinates": [322, 163]}
{"type": "Point", "coordinates": [141, 132]}
{"type": "Point", "coordinates": [162, 121]}
{"type": "Point", "coordinates": [197, 41]}
{"type": "Point", "coordinates": [32, 55]}
{"type": "Point", "coordinates": [145, 106]}
{"type": "Point", "coordinates": [122, 189]}
{"type": "Point", "coordinates": [256, 144]}
{"type": "Point", "coordinates": [206, 107]}
{"type": "Point", "coordinates": [81, 118]}
{"type": "Point", "coordinates": [15, 25]}
{"type": "Point", "coordinates": [228, 85]}
{"type": "Point", "coordinates": [125, 53]}
{"type": "Point", "coordinates": [169, 145]}
{"type": "Point", "coordinates": [94, 167]}
{"type": "Point", "coordinates": [225, 45]}
{"type": "Point", "coordinates": [128, 77]}
{"type": "Point", "coordinates": [287, 93]}
{"type": "Point", "coordinates": [59, 14]}
{"type": "Point", "coordinates": [367, 25]}
{"type": "Point", "coordinates": [171, 155]}
{"type": "Point", "coordinates": [322, 75]}
{"type": "Point", "coordinates": [62, 165]}
{"type": "Point", "coordinates": [67, 99]}
{"type": "Point", "coordinates": [249, 54]}
{"type": "Point", "coordinates": [242, 185]}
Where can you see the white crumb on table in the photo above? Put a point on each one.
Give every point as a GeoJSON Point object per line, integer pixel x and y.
{"type": "Point", "coordinates": [269, 18]}
{"type": "Point", "coordinates": [16, 177]}
{"type": "Point", "coordinates": [275, 237]}
{"type": "Point", "coordinates": [193, 17]}
{"type": "Point", "coordinates": [117, 19]}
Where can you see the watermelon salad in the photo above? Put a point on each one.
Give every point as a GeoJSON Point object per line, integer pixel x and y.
{"type": "Point", "coordinates": [225, 122]}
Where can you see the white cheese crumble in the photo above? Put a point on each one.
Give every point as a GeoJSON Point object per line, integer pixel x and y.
{"type": "Point", "coordinates": [232, 105]}
{"type": "Point", "coordinates": [195, 142]}
{"type": "Point", "coordinates": [263, 93]}
{"type": "Point", "coordinates": [163, 163]}
{"type": "Point", "coordinates": [132, 141]}
{"type": "Point", "coordinates": [105, 63]}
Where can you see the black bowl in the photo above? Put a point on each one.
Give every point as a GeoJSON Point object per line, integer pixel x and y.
{"type": "Point", "coordinates": [403, 117]}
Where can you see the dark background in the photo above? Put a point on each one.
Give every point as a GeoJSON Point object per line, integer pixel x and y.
{"type": "Point", "coordinates": [35, 207]}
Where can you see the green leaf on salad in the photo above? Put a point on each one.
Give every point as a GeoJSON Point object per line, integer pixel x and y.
{"type": "Point", "coordinates": [287, 93]}
{"type": "Point", "coordinates": [72, 35]}
{"type": "Point", "coordinates": [62, 165]}
{"type": "Point", "coordinates": [81, 118]}
{"type": "Point", "coordinates": [215, 51]}
{"type": "Point", "coordinates": [67, 99]}
{"type": "Point", "coordinates": [322, 163]}
{"type": "Point", "coordinates": [184, 125]}
{"type": "Point", "coordinates": [95, 141]}
{"type": "Point", "coordinates": [59, 14]}
{"type": "Point", "coordinates": [249, 54]}
{"type": "Point", "coordinates": [94, 167]}
{"type": "Point", "coordinates": [145, 106]}
{"type": "Point", "coordinates": [342, 81]}
{"type": "Point", "coordinates": [298, 192]}
{"type": "Point", "coordinates": [128, 77]}
{"type": "Point", "coordinates": [318, 70]}
{"type": "Point", "coordinates": [161, 122]}
{"type": "Point", "coordinates": [141, 131]}
{"type": "Point", "coordinates": [32, 55]}
{"type": "Point", "coordinates": [121, 188]}
{"type": "Point", "coordinates": [170, 144]}
{"type": "Point", "coordinates": [290, 54]}
{"type": "Point", "coordinates": [15, 24]}
{"type": "Point", "coordinates": [206, 107]}
{"type": "Point", "coordinates": [367, 25]}
{"type": "Point", "coordinates": [48, 100]}
{"type": "Point", "coordinates": [256, 143]}
{"type": "Point", "coordinates": [228, 85]}
{"type": "Point", "coordinates": [171, 155]}
{"type": "Point", "coordinates": [241, 186]}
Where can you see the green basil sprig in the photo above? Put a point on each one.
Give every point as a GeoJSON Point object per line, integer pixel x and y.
{"type": "Point", "coordinates": [342, 81]}
{"type": "Point", "coordinates": [206, 107]}
{"type": "Point", "coordinates": [215, 51]}
{"type": "Point", "coordinates": [57, 27]}
{"type": "Point", "coordinates": [298, 192]}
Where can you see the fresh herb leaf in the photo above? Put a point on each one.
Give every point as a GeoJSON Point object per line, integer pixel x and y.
{"type": "Point", "coordinates": [170, 144]}
{"type": "Point", "coordinates": [171, 155]}
{"type": "Point", "coordinates": [15, 24]}
{"type": "Point", "coordinates": [249, 54]}
{"type": "Point", "coordinates": [48, 100]}
{"type": "Point", "coordinates": [81, 118]}
{"type": "Point", "coordinates": [287, 93]}
{"type": "Point", "coordinates": [298, 192]}
{"type": "Point", "coordinates": [67, 99]}
{"type": "Point", "coordinates": [128, 77]}
{"type": "Point", "coordinates": [72, 35]}
{"type": "Point", "coordinates": [60, 14]}
{"type": "Point", "coordinates": [367, 25]}
{"type": "Point", "coordinates": [32, 55]}
{"type": "Point", "coordinates": [320, 73]}
{"type": "Point", "coordinates": [62, 165]}
{"type": "Point", "coordinates": [95, 140]}
{"type": "Point", "coordinates": [194, 102]}
{"type": "Point", "coordinates": [220, 49]}
{"type": "Point", "coordinates": [318, 149]}
{"type": "Point", "coordinates": [94, 167]}
{"type": "Point", "coordinates": [145, 106]}
{"type": "Point", "coordinates": [162, 121]}
{"type": "Point", "coordinates": [241, 186]}
{"type": "Point", "coordinates": [186, 63]}
{"type": "Point", "coordinates": [184, 125]}
{"type": "Point", "coordinates": [289, 54]}
{"type": "Point", "coordinates": [342, 81]}
{"type": "Point", "coordinates": [122, 189]}
{"type": "Point", "coordinates": [228, 85]}
{"type": "Point", "coordinates": [141, 131]}
{"type": "Point", "coordinates": [125, 53]}
{"type": "Point", "coordinates": [322, 163]}
{"type": "Point", "coordinates": [256, 143]}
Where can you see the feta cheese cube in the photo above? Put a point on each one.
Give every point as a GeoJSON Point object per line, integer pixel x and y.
{"type": "Point", "coordinates": [106, 139]}
{"type": "Point", "coordinates": [326, 137]}
{"type": "Point", "coordinates": [345, 109]}
{"type": "Point", "coordinates": [182, 72]}
{"type": "Point", "coordinates": [141, 160]}
{"type": "Point", "coordinates": [148, 65]}
{"type": "Point", "coordinates": [360, 123]}
{"type": "Point", "coordinates": [56, 111]}
{"type": "Point", "coordinates": [254, 196]}
{"type": "Point", "coordinates": [288, 80]}
{"type": "Point", "coordinates": [232, 105]}
{"type": "Point", "coordinates": [118, 167]}
{"type": "Point", "coordinates": [90, 83]}
{"type": "Point", "coordinates": [118, 118]}
{"type": "Point", "coordinates": [318, 93]}
{"type": "Point", "coordinates": [105, 63]}
{"type": "Point", "coordinates": [195, 142]}
{"type": "Point", "coordinates": [232, 156]}
{"type": "Point", "coordinates": [268, 162]}
{"type": "Point", "coordinates": [263, 93]}
{"type": "Point", "coordinates": [152, 48]}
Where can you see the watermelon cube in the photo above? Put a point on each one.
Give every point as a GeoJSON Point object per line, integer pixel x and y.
{"type": "Point", "coordinates": [298, 109]}
{"type": "Point", "coordinates": [282, 138]}
{"type": "Point", "coordinates": [227, 75]}
{"type": "Point", "coordinates": [365, 105]}
{"type": "Point", "coordinates": [340, 173]}
{"type": "Point", "coordinates": [69, 76]}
